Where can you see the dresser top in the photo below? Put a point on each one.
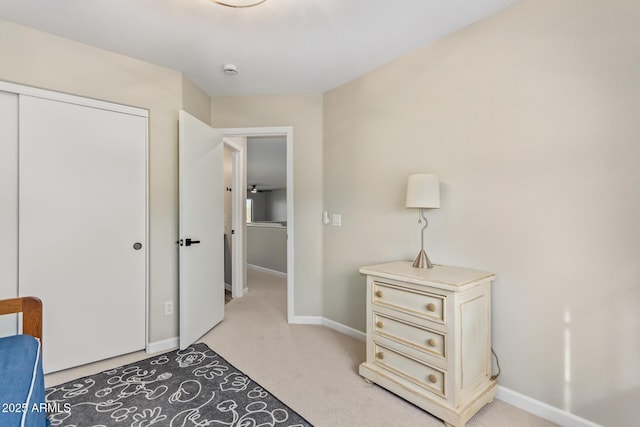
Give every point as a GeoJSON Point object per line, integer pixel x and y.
{"type": "Point", "coordinates": [452, 278]}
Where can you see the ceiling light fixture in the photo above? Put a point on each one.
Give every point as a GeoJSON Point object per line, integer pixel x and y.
{"type": "Point", "coordinates": [238, 4]}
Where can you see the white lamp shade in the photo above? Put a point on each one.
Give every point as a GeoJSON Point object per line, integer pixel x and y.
{"type": "Point", "coordinates": [423, 191]}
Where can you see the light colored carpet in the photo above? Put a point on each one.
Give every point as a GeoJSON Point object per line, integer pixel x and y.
{"type": "Point", "coordinates": [312, 369]}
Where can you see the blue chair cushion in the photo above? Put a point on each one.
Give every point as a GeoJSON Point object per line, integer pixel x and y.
{"type": "Point", "coordinates": [21, 383]}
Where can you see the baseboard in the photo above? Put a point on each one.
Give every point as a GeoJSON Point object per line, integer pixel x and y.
{"type": "Point", "coordinates": [164, 345]}
{"type": "Point", "coordinates": [344, 329]}
{"type": "Point", "coordinates": [541, 409]}
{"type": "Point", "coordinates": [306, 320]}
{"type": "Point", "coordinates": [227, 287]}
{"type": "Point", "coordinates": [267, 270]}
{"type": "Point", "coordinates": [318, 320]}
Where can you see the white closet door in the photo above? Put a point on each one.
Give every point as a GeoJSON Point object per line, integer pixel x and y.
{"type": "Point", "coordinates": [8, 205]}
{"type": "Point", "coordinates": [82, 186]}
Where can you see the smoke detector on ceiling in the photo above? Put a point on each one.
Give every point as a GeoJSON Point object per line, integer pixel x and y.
{"type": "Point", "coordinates": [230, 69]}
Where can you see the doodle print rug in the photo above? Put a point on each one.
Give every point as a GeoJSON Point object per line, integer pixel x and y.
{"type": "Point", "coordinates": [185, 388]}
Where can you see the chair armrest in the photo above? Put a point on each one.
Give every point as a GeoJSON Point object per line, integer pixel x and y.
{"type": "Point", "coordinates": [31, 309]}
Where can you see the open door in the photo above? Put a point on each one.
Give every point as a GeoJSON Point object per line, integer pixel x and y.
{"type": "Point", "coordinates": [201, 228]}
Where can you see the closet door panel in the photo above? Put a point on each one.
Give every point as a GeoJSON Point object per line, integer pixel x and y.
{"type": "Point", "coordinates": [8, 206]}
{"type": "Point", "coordinates": [82, 185]}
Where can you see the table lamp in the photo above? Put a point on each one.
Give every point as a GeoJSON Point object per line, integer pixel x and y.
{"type": "Point", "coordinates": [423, 192]}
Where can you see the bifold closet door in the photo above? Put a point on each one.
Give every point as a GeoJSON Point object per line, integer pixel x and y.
{"type": "Point", "coordinates": [82, 228]}
{"type": "Point", "coordinates": [8, 206]}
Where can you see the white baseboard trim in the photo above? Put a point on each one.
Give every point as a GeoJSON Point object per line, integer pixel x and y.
{"type": "Point", "coordinates": [541, 409]}
{"type": "Point", "coordinates": [344, 329]}
{"type": "Point", "coordinates": [267, 270]}
{"type": "Point", "coordinates": [318, 320]}
{"type": "Point", "coordinates": [164, 345]}
{"type": "Point", "coordinates": [306, 320]}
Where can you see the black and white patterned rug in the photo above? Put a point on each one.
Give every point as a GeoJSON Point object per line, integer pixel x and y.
{"type": "Point", "coordinates": [185, 388]}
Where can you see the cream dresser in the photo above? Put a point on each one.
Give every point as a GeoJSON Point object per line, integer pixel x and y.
{"type": "Point", "coordinates": [429, 337]}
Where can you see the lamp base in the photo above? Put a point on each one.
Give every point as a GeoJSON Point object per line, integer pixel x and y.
{"type": "Point", "coordinates": [422, 261]}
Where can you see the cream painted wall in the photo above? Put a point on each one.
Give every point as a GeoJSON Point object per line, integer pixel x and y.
{"type": "Point", "coordinates": [531, 120]}
{"type": "Point", "coordinates": [195, 101]}
{"type": "Point", "coordinates": [304, 114]}
{"type": "Point", "coordinates": [39, 59]}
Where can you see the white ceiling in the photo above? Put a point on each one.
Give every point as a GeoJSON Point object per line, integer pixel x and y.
{"type": "Point", "coordinates": [279, 47]}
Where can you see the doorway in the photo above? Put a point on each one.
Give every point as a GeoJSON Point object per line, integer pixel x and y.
{"type": "Point", "coordinates": [238, 137]}
{"type": "Point", "coordinates": [266, 205]}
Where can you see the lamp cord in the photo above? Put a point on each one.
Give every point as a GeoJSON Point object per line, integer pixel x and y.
{"type": "Point", "coordinates": [497, 364]}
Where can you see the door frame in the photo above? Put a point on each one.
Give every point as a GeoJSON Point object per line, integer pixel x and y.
{"type": "Point", "coordinates": [287, 133]}
{"type": "Point", "coordinates": [238, 254]}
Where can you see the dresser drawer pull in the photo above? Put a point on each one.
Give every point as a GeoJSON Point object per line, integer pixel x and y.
{"type": "Point", "coordinates": [379, 294]}
{"type": "Point", "coordinates": [432, 379]}
{"type": "Point", "coordinates": [431, 307]}
{"type": "Point", "coordinates": [431, 342]}
{"type": "Point", "coordinates": [380, 355]}
{"type": "Point", "coordinates": [379, 324]}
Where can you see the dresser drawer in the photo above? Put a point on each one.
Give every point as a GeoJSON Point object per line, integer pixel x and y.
{"type": "Point", "coordinates": [426, 305]}
{"type": "Point", "coordinates": [412, 335]}
{"type": "Point", "coordinates": [428, 377]}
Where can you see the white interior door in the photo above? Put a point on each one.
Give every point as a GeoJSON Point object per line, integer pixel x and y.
{"type": "Point", "coordinates": [82, 228]}
{"type": "Point", "coordinates": [201, 154]}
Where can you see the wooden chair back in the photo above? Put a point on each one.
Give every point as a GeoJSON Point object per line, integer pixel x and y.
{"type": "Point", "coordinates": [31, 309]}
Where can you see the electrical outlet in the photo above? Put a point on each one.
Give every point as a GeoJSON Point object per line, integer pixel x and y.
{"type": "Point", "coordinates": [168, 308]}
